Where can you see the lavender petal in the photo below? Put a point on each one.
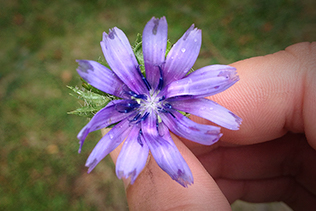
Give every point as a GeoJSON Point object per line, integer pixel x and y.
{"type": "Point", "coordinates": [120, 57]}
{"type": "Point", "coordinates": [101, 78]}
{"type": "Point", "coordinates": [209, 110]}
{"type": "Point", "coordinates": [133, 156]}
{"type": "Point", "coordinates": [154, 48]}
{"type": "Point", "coordinates": [165, 152]}
{"type": "Point", "coordinates": [183, 55]}
{"type": "Point", "coordinates": [108, 143]}
{"type": "Point", "coordinates": [204, 82]}
{"type": "Point", "coordinates": [103, 118]}
{"type": "Point", "coordinates": [186, 128]}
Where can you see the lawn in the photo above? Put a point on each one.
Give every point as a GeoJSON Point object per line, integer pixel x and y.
{"type": "Point", "coordinates": [40, 168]}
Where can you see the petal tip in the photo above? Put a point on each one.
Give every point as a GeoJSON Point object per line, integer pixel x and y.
{"type": "Point", "coordinates": [129, 176]}
{"type": "Point", "coordinates": [84, 66]}
{"type": "Point", "coordinates": [190, 31]}
{"type": "Point", "coordinates": [157, 22]}
{"type": "Point", "coordinates": [183, 178]}
{"type": "Point", "coordinates": [104, 35]}
{"type": "Point", "coordinates": [238, 120]}
{"type": "Point", "coordinates": [91, 165]}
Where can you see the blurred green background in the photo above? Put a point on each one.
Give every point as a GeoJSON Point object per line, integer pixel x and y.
{"type": "Point", "coordinates": [40, 168]}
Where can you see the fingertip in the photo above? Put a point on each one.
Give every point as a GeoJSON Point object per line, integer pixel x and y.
{"type": "Point", "coordinates": [269, 95]}
{"type": "Point", "coordinates": [307, 53]}
{"type": "Point", "coordinates": [155, 189]}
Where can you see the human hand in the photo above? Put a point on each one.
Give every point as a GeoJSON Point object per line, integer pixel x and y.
{"type": "Point", "coordinates": [271, 158]}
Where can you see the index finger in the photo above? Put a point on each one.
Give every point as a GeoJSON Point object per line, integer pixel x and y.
{"type": "Point", "coordinates": [276, 93]}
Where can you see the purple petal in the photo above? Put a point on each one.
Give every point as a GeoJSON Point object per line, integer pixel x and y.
{"type": "Point", "coordinates": [154, 48]}
{"type": "Point", "coordinates": [204, 82]}
{"type": "Point", "coordinates": [183, 55]}
{"type": "Point", "coordinates": [103, 118]}
{"type": "Point", "coordinates": [101, 78]}
{"type": "Point", "coordinates": [120, 57]}
{"type": "Point", "coordinates": [108, 143]}
{"type": "Point", "coordinates": [133, 156]}
{"type": "Point", "coordinates": [186, 128]}
{"type": "Point", "coordinates": [165, 152]}
{"type": "Point", "coordinates": [209, 110]}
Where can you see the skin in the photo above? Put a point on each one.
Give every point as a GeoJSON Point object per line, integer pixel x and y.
{"type": "Point", "coordinates": [271, 158]}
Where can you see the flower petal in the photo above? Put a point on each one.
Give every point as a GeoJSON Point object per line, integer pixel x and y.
{"type": "Point", "coordinates": [103, 118]}
{"type": "Point", "coordinates": [204, 82]}
{"type": "Point", "coordinates": [165, 152]}
{"type": "Point", "coordinates": [154, 48]}
{"type": "Point", "coordinates": [186, 128]}
{"type": "Point", "coordinates": [209, 110]}
{"type": "Point", "coordinates": [108, 143]}
{"type": "Point", "coordinates": [120, 57]}
{"type": "Point", "coordinates": [133, 156]}
{"type": "Point", "coordinates": [101, 78]}
{"type": "Point", "coordinates": [183, 55]}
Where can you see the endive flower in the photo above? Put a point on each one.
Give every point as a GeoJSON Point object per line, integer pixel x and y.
{"type": "Point", "coordinates": [148, 106]}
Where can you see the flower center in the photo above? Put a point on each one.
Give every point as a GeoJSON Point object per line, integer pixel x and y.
{"type": "Point", "coordinates": [152, 103]}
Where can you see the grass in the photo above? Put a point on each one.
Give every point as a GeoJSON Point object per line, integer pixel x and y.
{"type": "Point", "coordinates": [40, 41]}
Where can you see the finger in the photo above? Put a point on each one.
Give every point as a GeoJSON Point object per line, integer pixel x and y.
{"type": "Point", "coordinates": [267, 190]}
{"type": "Point", "coordinates": [276, 93]}
{"type": "Point", "coordinates": [155, 190]}
{"type": "Point", "coordinates": [289, 156]}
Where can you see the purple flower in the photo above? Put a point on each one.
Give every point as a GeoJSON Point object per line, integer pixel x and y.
{"type": "Point", "coordinates": [149, 106]}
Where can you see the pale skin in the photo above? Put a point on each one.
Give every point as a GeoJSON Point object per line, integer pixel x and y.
{"type": "Point", "coordinates": [271, 158]}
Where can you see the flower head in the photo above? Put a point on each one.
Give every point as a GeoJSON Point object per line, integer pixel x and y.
{"type": "Point", "coordinates": [148, 107]}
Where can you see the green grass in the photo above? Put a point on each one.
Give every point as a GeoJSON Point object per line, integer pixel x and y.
{"type": "Point", "coordinates": [40, 41]}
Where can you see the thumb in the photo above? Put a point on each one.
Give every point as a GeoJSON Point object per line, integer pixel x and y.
{"type": "Point", "coordinates": [155, 190]}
